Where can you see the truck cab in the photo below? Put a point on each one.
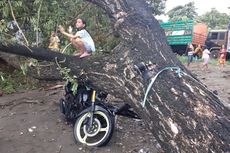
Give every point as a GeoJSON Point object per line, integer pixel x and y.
{"type": "Point", "coordinates": [215, 39]}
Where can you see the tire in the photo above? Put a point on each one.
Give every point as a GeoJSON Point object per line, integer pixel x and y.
{"type": "Point", "coordinates": [214, 54]}
{"type": "Point", "coordinates": [100, 135]}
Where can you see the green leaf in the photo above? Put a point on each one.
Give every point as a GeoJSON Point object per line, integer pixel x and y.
{"type": "Point", "coordinates": [74, 87]}
{"type": "Point", "coordinates": [24, 68]}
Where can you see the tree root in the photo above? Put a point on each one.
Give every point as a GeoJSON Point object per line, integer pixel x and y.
{"type": "Point", "coordinates": [12, 103]}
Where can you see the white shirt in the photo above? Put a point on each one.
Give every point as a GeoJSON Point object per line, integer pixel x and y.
{"type": "Point", "coordinates": [85, 36]}
{"type": "Point", "coordinates": [206, 53]}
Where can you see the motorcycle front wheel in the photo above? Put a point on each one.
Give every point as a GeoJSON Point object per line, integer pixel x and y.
{"type": "Point", "coordinates": [99, 133]}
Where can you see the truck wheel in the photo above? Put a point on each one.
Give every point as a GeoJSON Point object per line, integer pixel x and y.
{"type": "Point", "coordinates": [214, 54]}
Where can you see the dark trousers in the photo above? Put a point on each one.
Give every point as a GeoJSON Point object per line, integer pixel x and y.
{"type": "Point", "coordinates": [190, 58]}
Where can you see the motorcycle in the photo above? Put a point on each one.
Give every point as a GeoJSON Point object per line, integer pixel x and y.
{"type": "Point", "coordinates": [93, 118]}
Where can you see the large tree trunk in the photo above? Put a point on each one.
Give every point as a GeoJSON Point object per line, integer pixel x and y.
{"type": "Point", "coordinates": [182, 114]}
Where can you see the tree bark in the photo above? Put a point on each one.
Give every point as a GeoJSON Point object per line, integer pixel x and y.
{"type": "Point", "coordinates": [182, 114]}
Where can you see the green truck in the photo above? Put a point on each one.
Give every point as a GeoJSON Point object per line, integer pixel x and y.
{"type": "Point", "coordinates": [180, 34]}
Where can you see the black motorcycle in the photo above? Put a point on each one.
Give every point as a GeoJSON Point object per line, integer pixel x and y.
{"type": "Point", "coordinates": [93, 118]}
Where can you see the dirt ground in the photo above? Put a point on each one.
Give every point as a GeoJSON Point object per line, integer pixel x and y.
{"type": "Point", "coordinates": [216, 79]}
{"type": "Point", "coordinates": [30, 122]}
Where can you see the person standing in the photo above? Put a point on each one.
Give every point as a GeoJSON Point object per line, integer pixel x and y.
{"type": "Point", "coordinates": [198, 52]}
{"type": "Point", "coordinates": [222, 56]}
{"type": "Point", "coordinates": [205, 57]}
{"type": "Point", "coordinates": [190, 50]}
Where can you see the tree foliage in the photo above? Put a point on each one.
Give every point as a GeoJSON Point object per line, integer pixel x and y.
{"type": "Point", "coordinates": [186, 12]}
{"type": "Point", "coordinates": [37, 18]}
{"type": "Point", "coordinates": [214, 19]}
{"type": "Point", "coordinates": [158, 6]}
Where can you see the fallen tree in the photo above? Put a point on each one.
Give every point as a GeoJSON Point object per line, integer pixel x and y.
{"type": "Point", "coordinates": [182, 114]}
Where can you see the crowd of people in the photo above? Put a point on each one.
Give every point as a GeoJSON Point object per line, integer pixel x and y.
{"type": "Point", "coordinates": [202, 53]}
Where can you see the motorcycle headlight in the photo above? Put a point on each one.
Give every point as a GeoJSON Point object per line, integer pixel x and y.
{"type": "Point", "coordinates": [142, 69]}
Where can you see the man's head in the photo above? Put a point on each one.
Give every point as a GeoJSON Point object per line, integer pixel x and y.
{"type": "Point", "coordinates": [81, 24]}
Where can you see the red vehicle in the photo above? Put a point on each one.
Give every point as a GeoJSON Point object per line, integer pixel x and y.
{"type": "Point", "coordinates": [200, 32]}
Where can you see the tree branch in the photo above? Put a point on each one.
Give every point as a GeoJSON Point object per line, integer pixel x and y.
{"type": "Point", "coordinates": [37, 32]}
{"type": "Point", "coordinates": [12, 13]}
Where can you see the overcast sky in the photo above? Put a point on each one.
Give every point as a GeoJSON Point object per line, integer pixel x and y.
{"type": "Point", "coordinates": [202, 6]}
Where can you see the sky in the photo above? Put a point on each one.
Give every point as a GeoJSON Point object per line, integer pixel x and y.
{"type": "Point", "coordinates": [202, 6]}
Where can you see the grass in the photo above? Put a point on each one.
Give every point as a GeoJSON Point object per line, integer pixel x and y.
{"type": "Point", "coordinates": [10, 83]}
{"type": "Point", "coordinates": [182, 59]}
